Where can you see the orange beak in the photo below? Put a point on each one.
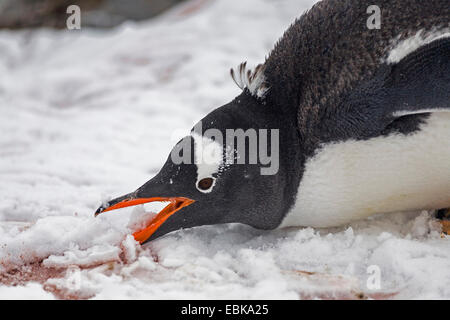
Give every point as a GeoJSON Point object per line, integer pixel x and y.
{"type": "Point", "coordinates": [175, 204]}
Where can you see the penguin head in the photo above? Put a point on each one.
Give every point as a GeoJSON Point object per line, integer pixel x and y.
{"type": "Point", "coordinates": [209, 179]}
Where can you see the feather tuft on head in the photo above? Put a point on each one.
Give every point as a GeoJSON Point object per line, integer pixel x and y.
{"type": "Point", "coordinates": [252, 80]}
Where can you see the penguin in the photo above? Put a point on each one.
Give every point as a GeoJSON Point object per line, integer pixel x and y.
{"type": "Point", "coordinates": [362, 123]}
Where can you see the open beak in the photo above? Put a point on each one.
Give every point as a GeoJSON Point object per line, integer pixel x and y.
{"type": "Point", "coordinates": [175, 204]}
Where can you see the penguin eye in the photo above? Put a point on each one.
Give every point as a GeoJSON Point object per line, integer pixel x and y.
{"type": "Point", "coordinates": [205, 183]}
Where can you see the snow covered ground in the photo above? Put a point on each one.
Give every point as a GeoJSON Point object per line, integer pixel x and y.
{"type": "Point", "coordinates": [92, 114]}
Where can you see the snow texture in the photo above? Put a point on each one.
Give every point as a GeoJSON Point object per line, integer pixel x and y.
{"type": "Point", "coordinates": [93, 114]}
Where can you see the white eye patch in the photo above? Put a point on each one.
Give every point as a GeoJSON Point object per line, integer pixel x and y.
{"type": "Point", "coordinates": [208, 157]}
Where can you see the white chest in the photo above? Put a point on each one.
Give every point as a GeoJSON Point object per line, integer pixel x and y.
{"type": "Point", "coordinates": [351, 180]}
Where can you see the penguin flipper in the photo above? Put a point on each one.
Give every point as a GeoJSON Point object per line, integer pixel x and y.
{"type": "Point", "coordinates": [420, 82]}
{"type": "Point", "coordinates": [397, 97]}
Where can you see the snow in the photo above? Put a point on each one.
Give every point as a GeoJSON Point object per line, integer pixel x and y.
{"type": "Point", "coordinates": [32, 291]}
{"type": "Point", "coordinates": [94, 114]}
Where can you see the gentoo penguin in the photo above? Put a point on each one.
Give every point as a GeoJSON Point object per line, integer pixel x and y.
{"type": "Point", "coordinates": [360, 116]}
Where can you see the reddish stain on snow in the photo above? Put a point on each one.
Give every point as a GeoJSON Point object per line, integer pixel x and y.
{"type": "Point", "coordinates": [33, 272]}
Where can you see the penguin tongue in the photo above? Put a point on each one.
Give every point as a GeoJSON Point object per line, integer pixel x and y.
{"type": "Point", "coordinates": [175, 204]}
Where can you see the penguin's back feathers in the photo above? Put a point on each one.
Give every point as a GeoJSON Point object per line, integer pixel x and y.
{"type": "Point", "coordinates": [329, 52]}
